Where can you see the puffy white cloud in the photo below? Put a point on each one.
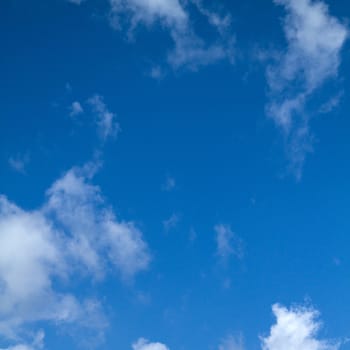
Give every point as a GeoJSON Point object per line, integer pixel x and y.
{"type": "Point", "coordinates": [74, 233]}
{"type": "Point", "coordinates": [190, 50]}
{"type": "Point", "coordinates": [296, 329]}
{"type": "Point", "coordinates": [31, 255]}
{"type": "Point", "coordinates": [106, 123]}
{"type": "Point", "coordinates": [314, 43]}
{"type": "Point", "coordinates": [227, 242]}
{"type": "Point", "coordinates": [95, 232]}
{"type": "Point", "coordinates": [144, 344]}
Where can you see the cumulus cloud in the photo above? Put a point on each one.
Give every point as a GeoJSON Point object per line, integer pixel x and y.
{"type": "Point", "coordinates": [105, 119]}
{"type": "Point", "coordinates": [296, 329]}
{"type": "Point", "coordinates": [75, 233]}
{"type": "Point", "coordinates": [227, 242]}
{"type": "Point", "coordinates": [144, 344]}
{"type": "Point", "coordinates": [94, 229]}
{"type": "Point", "coordinates": [189, 50]}
{"type": "Point", "coordinates": [314, 43]}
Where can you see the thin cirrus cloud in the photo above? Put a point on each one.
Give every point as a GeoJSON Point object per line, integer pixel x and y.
{"type": "Point", "coordinates": [74, 234]}
{"type": "Point", "coordinates": [190, 50]}
{"type": "Point", "coordinates": [104, 120]}
{"type": "Point", "coordinates": [314, 42]}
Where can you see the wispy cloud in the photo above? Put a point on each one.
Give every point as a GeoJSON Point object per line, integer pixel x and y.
{"type": "Point", "coordinates": [314, 43]}
{"type": "Point", "coordinates": [171, 222]}
{"type": "Point", "coordinates": [105, 119]}
{"type": "Point", "coordinates": [189, 50]}
{"type": "Point", "coordinates": [227, 242]}
{"type": "Point", "coordinates": [232, 343]}
{"type": "Point", "coordinates": [76, 2]}
{"type": "Point", "coordinates": [144, 344]}
{"type": "Point", "coordinates": [169, 184]}
{"type": "Point", "coordinates": [19, 162]}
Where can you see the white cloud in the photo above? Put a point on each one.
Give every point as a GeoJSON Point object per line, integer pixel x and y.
{"type": "Point", "coordinates": [37, 343]}
{"type": "Point", "coordinates": [232, 343]}
{"type": "Point", "coordinates": [19, 162]}
{"type": "Point", "coordinates": [95, 231]}
{"type": "Point", "coordinates": [227, 242]}
{"type": "Point", "coordinates": [19, 347]}
{"type": "Point", "coordinates": [148, 12]}
{"type": "Point", "coordinates": [314, 43]}
{"type": "Point", "coordinates": [190, 50]}
{"type": "Point", "coordinates": [76, 109]}
{"type": "Point", "coordinates": [30, 256]}
{"type": "Point", "coordinates": [73, 234]}
{"type": "Point", "coordinates": [144, 344]}
{"type": "Point", "coordinates": [296, 329]}
{"type": "Point", "coordinates": [106, 123]}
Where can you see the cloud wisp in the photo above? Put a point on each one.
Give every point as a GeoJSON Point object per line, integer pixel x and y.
{"type": "Point", "coordinates": [232, 343]}
{"type": "Point", "coordinates": [314, 42]}
{"type": "Point", "coordinates": [190, 50]}
{"type": "Point", "coordinates": [227, 243]}
{"type": "Point", "coordinates": [144, 344]}
{"type": "Point", "coordinates": [19, 162]}
{"type": "Point", "coordinates": [105, 119]}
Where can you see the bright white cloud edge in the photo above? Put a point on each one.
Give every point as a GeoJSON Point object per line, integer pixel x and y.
{"type": "Point", "coordinates": [74, 234]}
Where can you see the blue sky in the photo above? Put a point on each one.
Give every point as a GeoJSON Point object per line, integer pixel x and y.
{"type": "Point", "coordinates": [174, 175]}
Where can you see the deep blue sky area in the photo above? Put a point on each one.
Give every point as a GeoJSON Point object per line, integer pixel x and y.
{"type": "Point", "coordinates": [195, 151]}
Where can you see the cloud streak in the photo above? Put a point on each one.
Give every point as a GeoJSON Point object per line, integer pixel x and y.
{"type": "Point", "coordinates": [227, 242]}
{"type": "Point", "coordinates": [314, 43]}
